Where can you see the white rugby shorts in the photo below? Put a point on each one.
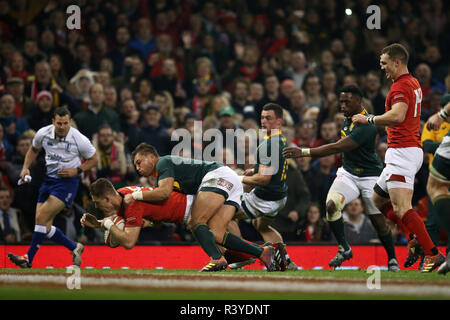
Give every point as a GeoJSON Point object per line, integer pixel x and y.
{"type": "Point", "coordinates": [255, 207]}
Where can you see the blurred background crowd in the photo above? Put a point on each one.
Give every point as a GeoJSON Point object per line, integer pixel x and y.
{"type": "Point", "coordinates": [137, 70]}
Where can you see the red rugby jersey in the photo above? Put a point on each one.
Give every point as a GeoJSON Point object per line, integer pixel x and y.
{"type": "Point", "coordinates": [171, 210]}
{"type": "Point", "coordinates": [405, 89]}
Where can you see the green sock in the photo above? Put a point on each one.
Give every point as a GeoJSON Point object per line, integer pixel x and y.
{"type": "Point", "coordinates": [206, 239]}
{"type": "Point", "coordinates": [388, 244]}
{"type": "Point", "coordinates": [338, 230]}
{"type": "Point", "coordinates": [433, 223]}
{"type": "Point", "coordinates": [233, 242]}
{"type": "Point", "coordinates": [442, 209]}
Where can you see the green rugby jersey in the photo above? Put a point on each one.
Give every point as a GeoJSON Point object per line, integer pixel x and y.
{"type": "Point", "coordinates": [277, 187]}
{"type": "Point", "coordinates": [362, 161]}
{"type": "Point", "coordinates": [188, 173]}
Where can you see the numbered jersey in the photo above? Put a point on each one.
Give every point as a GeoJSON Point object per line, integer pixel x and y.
{"type": "Point", "coordinates": [269, 153]}
{"type": "Point", "coordinates": [406, 134]}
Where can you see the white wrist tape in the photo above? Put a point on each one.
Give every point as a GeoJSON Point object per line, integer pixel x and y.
{"type": "Point", "coordinates": [443, 114]}
{"type": "Point", "coordinates": [137, 195]}
{"type": "Point", "coordinates": [108, 224]}
{"type": "Point", "coordinates": [241, 178]}
{"type": "Point", "coordinates": [306, 152]}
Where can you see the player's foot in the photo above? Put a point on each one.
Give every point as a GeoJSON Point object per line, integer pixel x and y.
{"type": "Point", "coordinates": [340, 257]}
{"type": "Point", "coordinates": [240, 264]}
{"type": "Point", "coordinates": [393, 265]}
{"type": "Point", "coordinates": [291, 265]}
{"type": "Point", "coordinates": [432, 262]}
{"type": "Point", "coordinates": [215, 265]}
{"type": "Point", "coordinates": [280, 255]}
{"type": "Point", "coordinates": [268, 258]}
{"type": "Point", "coordinates": [414, 252]}
{"type": "Point", "coordinates": [21, 261]}
{"type": "Point", "coordinates": [445, 267]}
{"type": "Point", "coordinates": [76, 254]}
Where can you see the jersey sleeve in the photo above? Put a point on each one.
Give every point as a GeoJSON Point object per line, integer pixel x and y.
{"type": "Point", "coordinates": [399, 94]}
{"type": "Point", "coordinates": [165, 168]}
{"type": "Point", "coordinates": [133, 214]}
{"type": "Point", "coordinates": [85, 147]}
{"type": "Point", "coordinates": [38, 138]}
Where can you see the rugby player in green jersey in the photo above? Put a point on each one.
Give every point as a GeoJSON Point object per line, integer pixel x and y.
{"type": "Point", "coordinates": [268, 179]}
{"type": "Point", "coordinates": [439, 179]}
{"type": "Point", "coordinates": [357, 176]}
{"type": "Point", "coordinates": [218, 191]}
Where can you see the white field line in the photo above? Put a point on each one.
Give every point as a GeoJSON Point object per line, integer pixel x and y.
{"type": "Point", "coordinates": [236, 284]}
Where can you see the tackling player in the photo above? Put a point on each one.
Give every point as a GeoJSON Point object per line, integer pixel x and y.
{"type": "Point", "coordinates": [218, 193]}
{"type": "Point", "coordinates": [404, 155]}
{"type": "Point", "coordinates": [64, 147]}
{"type": "Point", "coordinates": [360, 169]}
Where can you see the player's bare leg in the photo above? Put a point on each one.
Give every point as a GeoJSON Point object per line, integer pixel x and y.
{"type": "Point", "coordinates": [401, 201]}
{"type": "Point", "coordinates": [205, 205]}
{"type": "Point", "coordinates": [440, 196]}
{"type": "Point", "coordinates": [220, 221]}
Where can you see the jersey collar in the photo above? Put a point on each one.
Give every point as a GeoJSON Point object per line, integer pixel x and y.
{"type": "Point", "coordinates": [272, 135]}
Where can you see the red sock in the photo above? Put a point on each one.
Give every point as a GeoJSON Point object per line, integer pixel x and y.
{"type": "Point", "coordinates": [414, 223]}
{"type": "Point", "coordinates": [388, 212]}
{"type": "Point", "coordinates": [233, 256]}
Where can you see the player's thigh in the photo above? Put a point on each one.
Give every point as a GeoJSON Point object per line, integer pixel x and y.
{"type": "Point", "coordinates": [436, 187]}
{"type": "Point", "coordinates": [219, 222]}
{"type": "Point", "coordinates": [401, 199]}
{"type": "Point", "coordinates": [205, 205]}
{"type": "Point", "coordinates": [366, 187]}
{"type": "Point", "coordinates": [439, 178]}
{"type": "Point", "coordinates": [47, 211]}
{"type": "Point", "coordinates": [262, 224]}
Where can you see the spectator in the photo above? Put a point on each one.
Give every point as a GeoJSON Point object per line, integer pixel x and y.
{"type": "Point", "coordinates": [12, 226]}
{"type": "Point", "coordinates": [298, 68]}
{"type": "Point", "coordinates": [314, 227]}
{"type": "Point", "coordinates": [81, 83]}
{"type": "Point", "coordinates": [323, 173]}
{"type": "Point", "coordinates": [144, 96]}
{"type": "Point", "coordinates": [23, 104]}
{"type": "Point", "coordinates": [16, 64]}
{"type": "Point", "coordinates": [143, 42]}
{"type": "Point", "coordinates": [312, 88]}
{"type": "Point", "coordinates": [273, 94]}
{"type": "Point", "coordinates": [129, 123]}
{"type": "Point", "coordinates": [15, 162]}
{"type": "Point", "coordinates": [201, 102]}
{"type": "Point", "coordinates": [42, 115]}
{"type": "Point", "coordinates": [240, 93]}
{"type": "Point", "coordinates": [43, 81]}
{"type": "Point", "coordinates": [153, 133]}
{"type": "Point", "coordinates": [13, 126]}
{"type": "Point", "coordinates": [96, 114]}
{"type": "Point", "coordinates": [372, 90]}
{"type": "Point", "coordinates": [256, 93]}
{"type": "Point", "coordinates": [112, 163]}
{"type": "Point", "coordinates": [298, 101]}
{"type": "Point", "coordinates": [306, 132]}
{"type": "Point", "coordinates": [169, 81]}
{"type": "Point", "coordinates": [165, 103]}
{"type": "Point", "coordinates": [121, 50]}
{"type": "Point", "coordinates": [111, 98]}
{"type": "Point", "coordinates": [68, 221]}
{"type": "Point", "coordinates": [358, 228]}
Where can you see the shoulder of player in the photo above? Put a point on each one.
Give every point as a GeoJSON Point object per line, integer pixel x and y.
{"type": "Point", "coordinates": [45, 130]}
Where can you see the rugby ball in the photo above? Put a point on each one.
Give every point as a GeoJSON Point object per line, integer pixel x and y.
{"type": "Point", "coordinates": [119, 222]}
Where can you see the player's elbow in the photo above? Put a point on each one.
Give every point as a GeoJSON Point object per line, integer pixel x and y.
{"type": "Point", "coordinates": [398, 118]}
{"type": "Point", "coordinates": [128, 244]}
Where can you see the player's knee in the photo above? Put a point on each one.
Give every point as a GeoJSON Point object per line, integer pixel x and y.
{"type": "Point", "coordinates": [334, 204]}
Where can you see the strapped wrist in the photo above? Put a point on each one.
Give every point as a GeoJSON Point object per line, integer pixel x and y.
{"type": "Point", "coordinates": [137, 195]}
{"type": "Point", "coordinates": [306, 152]}
{"type": "Point", "coordinates": [443, 114]}
{"type": "Point", "coordinates": [107, 224]}
{"type": "Point", "coordinates": [371, 119]}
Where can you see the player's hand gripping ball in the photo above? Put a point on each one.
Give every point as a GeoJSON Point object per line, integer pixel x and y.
{"type": "Point", "coordinates": [119, 222]}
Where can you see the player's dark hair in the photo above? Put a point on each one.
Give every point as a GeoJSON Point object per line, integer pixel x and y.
{"type": "Point", "coordinates": [397, 51]}
{"type": "Point", "coordinates": [144, 148]}
{"type": "Point", "coordinates": [354, 90]}
{"type": "Point", "coordinates": [276, 108]}
{"type": "Point", "coordinates": [61, 111]}
{"type": "Point", "coordinates": [101, 187]}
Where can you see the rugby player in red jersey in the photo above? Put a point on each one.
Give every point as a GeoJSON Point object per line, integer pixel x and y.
{"type": "Point", "coordinates": [138, 214]}
{"type": "Point", "coordinates": [404, 156]}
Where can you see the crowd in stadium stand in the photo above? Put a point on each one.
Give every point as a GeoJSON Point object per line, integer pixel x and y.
{"type": "Point", "coordinates": [137, 70]}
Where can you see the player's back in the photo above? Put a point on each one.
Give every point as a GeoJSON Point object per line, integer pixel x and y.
{"type": "Point", "coordinates": [170, 210]}
{"type": "Point", "coordinates": [405, 89]}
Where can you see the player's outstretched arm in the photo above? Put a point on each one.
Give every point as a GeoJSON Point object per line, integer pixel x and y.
{"type": "Point", "coordinates": [343, 145]}
{"type": "Point", "coordinates": [127, 238]}
{"type": "Point", "coordinates": [391, 118]}
{"type": "Point", "coordinates": [163, 192]}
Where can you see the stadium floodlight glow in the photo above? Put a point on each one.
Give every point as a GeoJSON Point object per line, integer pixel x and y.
{"type": "Point", "coordinates": [348, 11]}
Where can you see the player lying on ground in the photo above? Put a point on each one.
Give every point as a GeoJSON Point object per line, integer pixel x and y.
{"type": "Point", "coordinates": [137, 214]}
{"type": "Point", "coordinates": [360, 169]}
